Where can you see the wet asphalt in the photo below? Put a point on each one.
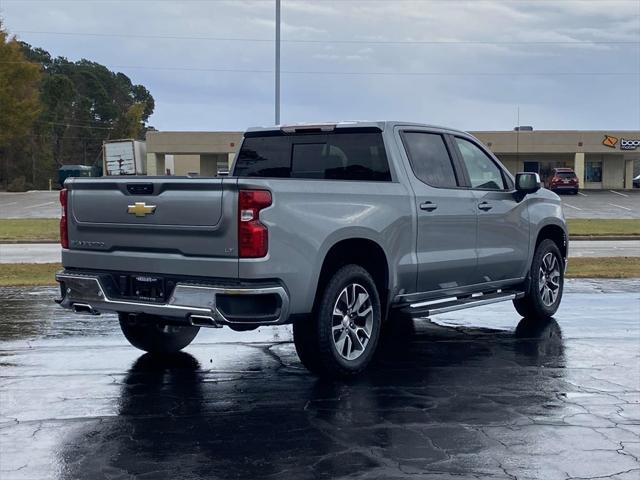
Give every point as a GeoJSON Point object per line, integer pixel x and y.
{"type": "Point", "coordinates": [472, 394]}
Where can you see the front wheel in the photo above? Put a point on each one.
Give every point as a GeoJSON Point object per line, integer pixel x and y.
{"type": "Point", "coordinates": [543, 296]}
{"type": "Point", "coordinates": [341, 337]}
{"type": "Point", "coordinates": [151, 334]}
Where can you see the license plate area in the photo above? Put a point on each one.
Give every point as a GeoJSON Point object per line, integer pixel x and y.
{"type": "Point", "coordinates": [147, 288]}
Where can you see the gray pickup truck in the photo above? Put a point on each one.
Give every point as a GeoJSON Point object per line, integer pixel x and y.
{"type": "Point", "coordinates": [336, 228]}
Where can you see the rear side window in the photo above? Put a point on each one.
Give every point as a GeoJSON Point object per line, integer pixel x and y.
{"type": "Point", "coordinates": [338, 156]}
{"type": "Point", "coordinates": [429, 158]}
{"type": "Point", "coordinates": [264, 157]}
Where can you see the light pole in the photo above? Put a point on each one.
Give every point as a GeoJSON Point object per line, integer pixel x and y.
{"type": "Point", "coordinates": [277, 62]}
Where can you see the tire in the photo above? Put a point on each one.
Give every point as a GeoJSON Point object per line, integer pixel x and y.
{"type": "Point", "coordinates": [341, 345]}
{"type": "Point", "coordinates": [151, 334]}
{"type": "Point", "coordinates": [304, 338]}
{"type": "Point", "coordinates": [546, 283]}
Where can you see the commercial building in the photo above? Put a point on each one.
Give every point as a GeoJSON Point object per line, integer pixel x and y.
{"type": "Point", "coordinates": [191, 153]}
{"type": "Point", "coordinates": [601, 159]}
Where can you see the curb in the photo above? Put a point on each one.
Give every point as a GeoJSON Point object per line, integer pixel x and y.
{"type": "Point", "coordinates": [14, 242]}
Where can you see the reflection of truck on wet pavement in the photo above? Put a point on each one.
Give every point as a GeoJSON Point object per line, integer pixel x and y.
{"type": "Point", "coordinates": [335, 228]}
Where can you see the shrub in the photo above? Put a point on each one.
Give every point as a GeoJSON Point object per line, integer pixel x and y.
{"type": "Point", "coordinates": [18, 184]}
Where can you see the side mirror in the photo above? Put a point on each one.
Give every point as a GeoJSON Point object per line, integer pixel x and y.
{"type": "Point", "coordinates": [527, 182]}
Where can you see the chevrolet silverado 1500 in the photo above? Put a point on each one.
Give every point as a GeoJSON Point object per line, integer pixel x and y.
{"type": "Point", "coordinates": [335, 228]}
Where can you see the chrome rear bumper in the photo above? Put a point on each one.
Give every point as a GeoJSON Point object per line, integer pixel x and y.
{"type": "Point", "coordinates": [193, 303]}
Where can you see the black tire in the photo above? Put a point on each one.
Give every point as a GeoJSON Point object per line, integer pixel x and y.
{"type": "Point", "coordinates": [326, 350]}
{"type": "Point", "coordinates": [153, 335]}
{"type": "Point", "coordinates": [305, 340]}
{"type": "Point", "coordinates": [538, 304]}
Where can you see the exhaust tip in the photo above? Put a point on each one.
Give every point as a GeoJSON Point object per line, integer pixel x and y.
{"type": "Point", "coordinates": [84, 308]}
{"type": "Point", "coordinates": [204, 321]}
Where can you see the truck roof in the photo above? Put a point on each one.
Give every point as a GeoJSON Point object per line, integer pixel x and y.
{"type": "Point", "coordinates": [330, 126]}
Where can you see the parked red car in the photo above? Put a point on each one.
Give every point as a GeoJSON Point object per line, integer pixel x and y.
{"type": "Point", "coordinates": [563, 180]}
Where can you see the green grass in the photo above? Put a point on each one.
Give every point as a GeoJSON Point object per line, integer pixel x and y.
{"type": "Point", "coordinates": [30, 229]}
{"type": "Point", "coordinates": [604, 226]}
{"type": "Point", "coordinates": [39, 274]}
{"type": "Point", "coordinates": [28, 274]}
{"type": "Point", "coordinates": [604, 267]}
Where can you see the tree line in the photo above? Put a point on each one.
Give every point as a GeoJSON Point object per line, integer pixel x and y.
{"type": "Point", "coordinates": [56, 112]}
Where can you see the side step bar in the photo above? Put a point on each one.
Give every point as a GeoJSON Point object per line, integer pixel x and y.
{"type": "Point", "coordinates": [434, 307]}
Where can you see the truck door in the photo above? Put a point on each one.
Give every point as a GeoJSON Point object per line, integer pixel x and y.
{"type": "Point", "coordinates": [503, 222]}
{"type": "Point", "coordinates": [446, 213]}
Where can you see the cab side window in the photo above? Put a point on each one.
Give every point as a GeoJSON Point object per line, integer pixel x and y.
{"type": "Point", "coordinates": [429, 158]}
{"type": "Point", "coordinates": [483, 172]}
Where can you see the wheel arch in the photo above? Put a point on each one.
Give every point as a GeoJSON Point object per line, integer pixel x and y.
{"type": "Point", "coordinates": [360, 251]}
{"type": "Point", "coordinates": [557, 234]}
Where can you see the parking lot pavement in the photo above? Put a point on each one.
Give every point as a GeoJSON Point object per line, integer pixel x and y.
{"type": "Point", "coordinates": [37, 204]}
{"type": "Point", "coordinates": [473, 393]}
{"type": "Point", "coordinates": [602, 204]}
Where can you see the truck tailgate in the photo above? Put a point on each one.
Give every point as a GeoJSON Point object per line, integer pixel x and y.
{"type": "Point", "coordinates": [183, 216]}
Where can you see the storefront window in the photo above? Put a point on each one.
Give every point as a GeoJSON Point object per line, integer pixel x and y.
{"type": "Point", "coordinates": [593, 172]}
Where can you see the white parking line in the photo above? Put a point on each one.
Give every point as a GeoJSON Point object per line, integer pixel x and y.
{"type": "Point", "coordinates": [7, 204]}
{"type": "Point", "coordinates": [619, 206]}
{"type": "Point", "coordinates": [618, 193]}
{"type": "Point", "coordinates": [40, 205]}
{"type": "Point", "coordinates": [583, 194]}
{"type": "Point", "coordinates": [571, 206]}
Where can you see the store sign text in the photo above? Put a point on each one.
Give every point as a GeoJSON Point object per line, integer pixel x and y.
{"type": "Point", "coordinates": [629, 144]}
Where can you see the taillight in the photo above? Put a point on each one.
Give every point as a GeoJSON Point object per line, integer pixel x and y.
{"type": "Point", "coordinates": [253, 236]}
{"type": "Point", "coordinates": [64, 231]}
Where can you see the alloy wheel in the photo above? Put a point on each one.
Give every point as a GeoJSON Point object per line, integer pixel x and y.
{"type": "Point", "coordinates": [352, 321]}
{"type": "Point", "coordinates": [549, 279]}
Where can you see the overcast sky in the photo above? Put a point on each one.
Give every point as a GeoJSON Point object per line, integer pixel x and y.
{"type": "Point", "coordinates": [568, 64]}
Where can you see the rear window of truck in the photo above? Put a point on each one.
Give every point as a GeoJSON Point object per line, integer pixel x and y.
{"type": "Point", "coordinates": [335, 156]}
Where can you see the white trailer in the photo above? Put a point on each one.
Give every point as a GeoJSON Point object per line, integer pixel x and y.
{"type": "Point", "coordinates": [124, 157]}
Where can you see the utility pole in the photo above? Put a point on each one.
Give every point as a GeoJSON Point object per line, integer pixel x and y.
{"type": "Point", "coordinates": [277, 62]}
{"type": "Point", "coordinates": [33, 163]}
{"type": "Point", "coordinates": [518, 139]}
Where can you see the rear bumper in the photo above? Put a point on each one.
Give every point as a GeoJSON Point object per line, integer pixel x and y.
{"type": "Point", "coordinates": [195, 303]}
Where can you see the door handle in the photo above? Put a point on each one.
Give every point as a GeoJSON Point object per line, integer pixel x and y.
{"type": "Point", "coordinates": [486, 206]}
{"type": "Point", "coordinates": [428, 206]}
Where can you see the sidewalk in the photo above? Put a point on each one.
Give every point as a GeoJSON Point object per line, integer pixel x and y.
{"type": "Point", "coordinates": [50, 252]}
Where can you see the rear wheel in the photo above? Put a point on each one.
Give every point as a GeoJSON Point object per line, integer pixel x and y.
{"type": "Point", "coordinates": [544, 294]}
{"type": "Point", "coordinates": [341, 337]}
{"type": "Point", "coordinates": [153, 335]}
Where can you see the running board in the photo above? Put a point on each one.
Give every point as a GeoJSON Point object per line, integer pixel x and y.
{"type": "Point", "coordinates": [434, 307]}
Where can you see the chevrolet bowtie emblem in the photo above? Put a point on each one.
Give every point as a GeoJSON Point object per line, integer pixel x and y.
{"type": "Point", "coordinates": [140, 209]}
